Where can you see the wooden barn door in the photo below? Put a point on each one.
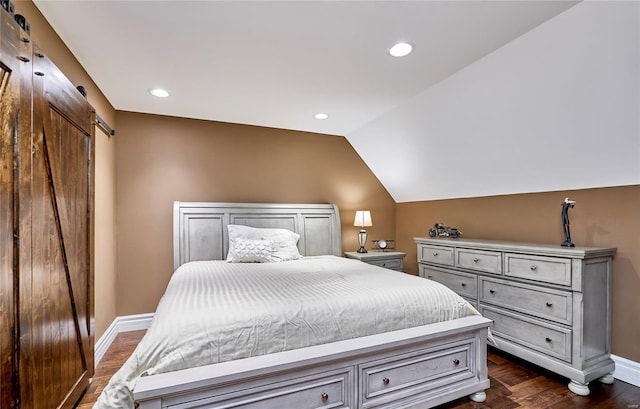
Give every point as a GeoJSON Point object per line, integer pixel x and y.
{"type": "Point", "coordinates": [15, 136]}
{"type": "Point", "coordinates": [56, 303]}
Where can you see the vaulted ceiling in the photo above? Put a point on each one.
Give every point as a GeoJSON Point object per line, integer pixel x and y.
{"type": "Point", "coordinates": [277, 63]}
{"type": "Point", "coordinates": [497, 97]}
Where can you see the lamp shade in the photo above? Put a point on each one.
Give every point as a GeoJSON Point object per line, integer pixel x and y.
{"type": "Point", "coordinates": [363, 218]}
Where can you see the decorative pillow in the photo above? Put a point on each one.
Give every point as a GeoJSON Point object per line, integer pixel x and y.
{"type": "Point", "coordinates": [250, 251]}
{"type": "Point", "coordinates": [285, 242]}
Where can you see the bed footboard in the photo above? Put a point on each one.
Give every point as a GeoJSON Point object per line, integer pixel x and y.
{"type": "Point", "coordinates": [422, 366]}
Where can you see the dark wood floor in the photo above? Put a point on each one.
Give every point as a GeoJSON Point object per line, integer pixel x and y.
{"type": "Point", "coordinates": [514, 384]}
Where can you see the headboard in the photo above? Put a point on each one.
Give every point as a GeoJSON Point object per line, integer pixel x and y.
{"type": "Point", "coordinates": [200, 228]}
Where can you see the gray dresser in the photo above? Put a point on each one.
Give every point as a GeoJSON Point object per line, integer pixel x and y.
{"type": "Point", "coordinates": [550, 304]}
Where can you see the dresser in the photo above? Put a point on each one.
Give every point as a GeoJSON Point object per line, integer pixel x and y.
{"type": "Point", "coordinates": [393, 260]}
{"type": "Point", "coordinates": [551, 305]}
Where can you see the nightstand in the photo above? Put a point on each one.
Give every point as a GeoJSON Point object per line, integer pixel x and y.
{"type": "Point", "coordinates": [387, 259]}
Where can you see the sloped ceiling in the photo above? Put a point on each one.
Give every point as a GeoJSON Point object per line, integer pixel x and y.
{"type": "Point", "coordinates": [277, 63]}
{"type": "Point", "coordinates": [419, 122]}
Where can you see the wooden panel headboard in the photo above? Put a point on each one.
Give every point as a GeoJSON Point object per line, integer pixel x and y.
{"type": "Point", "coordinates": [200, 228]}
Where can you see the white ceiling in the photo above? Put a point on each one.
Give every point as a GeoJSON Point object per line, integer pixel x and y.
{"type": "Point", "coordinates": [275, 64]}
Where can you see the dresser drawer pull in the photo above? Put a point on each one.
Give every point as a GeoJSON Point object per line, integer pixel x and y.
{"type": "Point", "coordinates": [385, 381]}
{"type": "Point", "coordinates": [325, 397]}
{"type": "Point", "coordinates": [456, 362]}
{"type": "Point", "coordinates": [548, 339]}
{"type": "Point", "coordinates": [464, 284]}
{"type": "Point", "coordinates": [492, 291]}
{"type": "Point", "coordinates": [533, 267]}
{"type": "Point", "coordinates": [429, 277]}
{"type": "Point", "coordinates": [475, 260]}
{"type": "Point", "coordinates": [384, 264]}
{"type": "Point", "coordinates": [549, 304]}
{"type": "Point", "coordinates": [435, 254]}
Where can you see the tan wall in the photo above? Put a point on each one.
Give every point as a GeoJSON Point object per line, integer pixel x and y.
{"type": "Point", "coordinates": [162, 159]}
{"type": "Point", "coordinates": [105, 251]}
{"type": "Point", "coordinates": [607, 217]}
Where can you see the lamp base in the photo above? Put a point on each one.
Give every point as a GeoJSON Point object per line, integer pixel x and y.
{"type": "Point", "coordinates": [362, 240]}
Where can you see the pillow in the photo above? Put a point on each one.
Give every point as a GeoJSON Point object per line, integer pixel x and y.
{"type": "Point", "coordinates": [284, 241]}
{"type": "Point", "coordinates": [250, 251]}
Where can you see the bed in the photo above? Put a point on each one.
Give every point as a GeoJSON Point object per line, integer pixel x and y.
{"type": "Point", "coordinates": [365, 352]}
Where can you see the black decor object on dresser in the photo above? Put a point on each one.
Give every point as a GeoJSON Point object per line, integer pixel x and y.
{"type": "Point", "coordinates": [550, 305]}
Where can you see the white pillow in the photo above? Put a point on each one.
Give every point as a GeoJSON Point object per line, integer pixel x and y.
{"type": "Point", "coordinates": [250, 251]}
{"type": "Point", "coordinates": [284, 241]}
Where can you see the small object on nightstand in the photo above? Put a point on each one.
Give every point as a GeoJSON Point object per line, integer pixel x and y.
{"type": "Point", "coordinates": [392, 260]}
{"type": "Point", "coordinates": [384, 244]}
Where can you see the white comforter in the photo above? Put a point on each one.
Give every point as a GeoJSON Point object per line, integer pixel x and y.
{"type": "Point", "coordinates": [214, 311]}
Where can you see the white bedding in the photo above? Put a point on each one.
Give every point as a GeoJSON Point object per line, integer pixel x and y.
{"type": "Point", "coordinates": [214, 311]}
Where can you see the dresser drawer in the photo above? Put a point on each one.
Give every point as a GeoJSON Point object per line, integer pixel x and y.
{"type": "Point", "coordinates": [555, 305]}
{"type": "Point", "coordinates": [479, 260]}
{"type": "Point", "coordinates": [324, 390]}
{"type": "Point", "coordinates": [435, 254]}
{"type": "Point", "coordinates": [550, 339]}
{"type": "Point", "coordinates": [388, 379]}
{"type": "Point", "coordinates": [553, 270]}
{"type": "Point", "coordinates": [393, 264]}
{"type": "Point", "coordinates": [465, 285]}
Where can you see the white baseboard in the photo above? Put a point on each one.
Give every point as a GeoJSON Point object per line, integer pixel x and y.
{"type": "Point", "coordinates": [626, 370]}
{"type": "Point", "coordinates": [120, 324]}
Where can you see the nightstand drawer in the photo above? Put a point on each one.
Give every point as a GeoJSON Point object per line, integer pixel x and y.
{"type": "Point", "coordinates": [393, 264]}
{"type": "Point", "coordinates": [550, 339]}
{"type": "Point", "coordinates": [465, 285]}
{"type": "Point", "coordinates": [553, 270]}
{"type": "Point", "coordinates": [435, 254]}
{"type": "Point", "coordinates": [392, 260]}
{"type": "Point", "coordinates": [479, 260]}
{"type": "Point", "coordinates": [555, 305]}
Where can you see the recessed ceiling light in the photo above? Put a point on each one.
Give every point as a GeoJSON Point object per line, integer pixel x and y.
{"type": "Point", "coordinates": [401, 49]}
{"type": "Point", "coordinates": [158, 92]}
{"type": "Point", "coordinates": [321, 115]}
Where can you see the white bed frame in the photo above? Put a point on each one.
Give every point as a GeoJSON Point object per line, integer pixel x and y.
{"type": "Point", "coordinates": [418, 367]}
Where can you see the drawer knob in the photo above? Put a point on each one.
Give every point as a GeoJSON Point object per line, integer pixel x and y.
{"type": "Point", "coordinates": [533, 267]}
{"type": "Point", "coordinates": [549, 304]}
{"type": "Point", "coordinates": [475, 260]}
{"type": "Point", "coordinates": [325, 397]}
{"type": "Point", "coordinates": [384, 264]}
{"type": "Point", "coordinates": [456, 362]}
{"type": "Point", "coordinates": [435, 253]}
{"type": "Point", "coordinates": [385, 381]}
{"type": "Point", "coordinates": [429, 277]}
{"type": "Point", "coordinates": [547, 339]}
{"type": "Point", "coordinates": [492, 291]}
{"type": "Point", "coordinates": [464, 284]}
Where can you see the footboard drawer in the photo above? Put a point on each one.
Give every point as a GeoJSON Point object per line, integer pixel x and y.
{"type": "Point", "coordinates": [390, 379]}
{"type": "Point", "coordinates": [324, 390]}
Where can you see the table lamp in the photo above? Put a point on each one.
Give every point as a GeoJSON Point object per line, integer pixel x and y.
{"type": "Point", "coordinates": [362, 219]}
